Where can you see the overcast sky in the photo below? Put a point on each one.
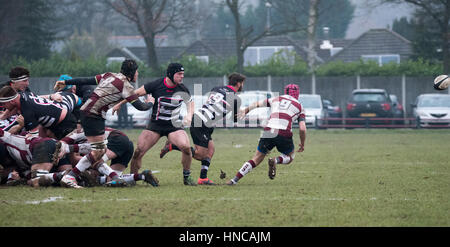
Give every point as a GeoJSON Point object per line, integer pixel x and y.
{"type": "Point", "coordinates": [367, 17]}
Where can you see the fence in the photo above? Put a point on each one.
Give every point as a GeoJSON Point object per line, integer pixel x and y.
{"type": "Point", "coordinates": [337, 88]}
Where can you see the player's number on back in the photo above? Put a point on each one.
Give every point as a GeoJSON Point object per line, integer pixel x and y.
{"type": "Point", "coordinates": [284, 104]}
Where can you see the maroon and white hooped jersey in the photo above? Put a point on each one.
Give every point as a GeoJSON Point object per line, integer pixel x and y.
{"type": "Point", "coordinates": [284, 109]}
{"type": "Point", "coordinates": [112, 88]}
{"type": "Point", "coordinates": [18, 148]}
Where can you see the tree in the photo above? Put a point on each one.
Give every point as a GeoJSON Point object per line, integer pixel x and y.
{"type": "Point", "coordinates": [438, 14]}
{"type": "Point", "coordinates": [26, 29]}
{"type": "Point", "coordinates": [153, 17]}
{"type": "Point", "coordinates": [300, 17]}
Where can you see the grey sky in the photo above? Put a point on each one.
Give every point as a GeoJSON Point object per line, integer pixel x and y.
{"type": "Point", "coordinates": [368, 17]}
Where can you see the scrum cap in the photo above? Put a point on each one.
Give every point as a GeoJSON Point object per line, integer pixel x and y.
{"type": "Point", "coordinates": [292, 90]}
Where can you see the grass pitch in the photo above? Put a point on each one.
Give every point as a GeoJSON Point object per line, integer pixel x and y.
{"type": "Point", "coordinates": [344, 178]}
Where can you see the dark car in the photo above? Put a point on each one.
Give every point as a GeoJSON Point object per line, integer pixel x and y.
{"type": "Point", "coordinates": [369, 104]}
{"type": "Point", "coordinates": [398, 109]}
{"type": "Point", "coordinates": [334, 111]}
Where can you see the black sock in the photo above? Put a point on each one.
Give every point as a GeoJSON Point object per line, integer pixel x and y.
{"type": "Point", "coordinates": [186, 173]}
{"type": "Point", "coordinates": [174, 147]}
{"type": "Point", "coordinates": [205, 166]}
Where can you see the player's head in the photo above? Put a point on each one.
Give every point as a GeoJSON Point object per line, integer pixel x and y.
{"type": "Point", "coordinates": [8, 97]}
{"type": "Point", "coordinates": [19, 78]}
{"type": "Point", "coordinates": [129, 69]}
{"type": "Point", "coordinates": [175, 72]}
{"type": "Point", "coordinates": [292, 90]}
{"type": "Point", "coordinates": [237, 79]}
{"type": "Point", "coordinates": [64, 78]}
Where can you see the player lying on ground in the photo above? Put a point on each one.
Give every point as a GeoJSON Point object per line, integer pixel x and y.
{"type": "Point", "coordinates": [119, 151]}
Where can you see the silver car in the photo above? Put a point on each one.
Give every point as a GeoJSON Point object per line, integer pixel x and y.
{"type": "Point", "coordinates": [314, 110]}
{"type": "Point", "coordinates": [432, 110]}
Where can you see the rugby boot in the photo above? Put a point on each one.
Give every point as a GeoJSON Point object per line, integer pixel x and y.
{"type": "Point", "coordinates": [205, 181]}
{"type": "Point", "coordinates": [116, 183]}
{"type": "Point", "coordinates": [149, 178]}
{"type": "Point", "coordinates": [167, 148]}
{"type": "Point", "coordinates": [272, 168]}
{"type": "Point", "coordinates": [69, 182]}
{"type": "Point", "coordinates": [189, 181]}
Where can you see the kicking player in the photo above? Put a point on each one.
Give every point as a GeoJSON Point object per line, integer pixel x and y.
{"type": "Point", "coordinates": [111, 89]}
{"type": "Point", "coordinates": [169, 93]}
{"type": "Point", "coordinates": [221, 101]}
{"type": "Point", "coordinates": [285, 110]}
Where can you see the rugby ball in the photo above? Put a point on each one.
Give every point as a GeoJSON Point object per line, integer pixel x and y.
{"type": "Point", "coordinates": [441, 82]}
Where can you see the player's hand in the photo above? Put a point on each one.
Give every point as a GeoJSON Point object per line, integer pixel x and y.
{"type": "Point", "coordinates": [187, 121]}
{"type": "Point", "coordinates": [56, 97]}
{"type": "Point", "coordinates": [59, 86]}
{"type": "Point", "coordinates": [241, 114]}
{"type": "Point", "coordinates": [150, 99]}
{"type": "Point", "coordinates": [116, 108]}
{"type": "Point", "coordinates": [20, 120]}
{"type": "Point", "coordinates": [301, 148]}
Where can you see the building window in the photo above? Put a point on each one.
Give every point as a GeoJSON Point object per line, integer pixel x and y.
{"type": "Point", "coordinates": [382, 59]}
{"type": "Point", "coordinates": [203, 58]}
{"type": "Point", "coordinates": [258, 54]}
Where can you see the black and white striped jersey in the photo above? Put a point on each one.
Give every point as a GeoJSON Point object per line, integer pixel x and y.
{"type": "Point", "coordinates": [168, 100]}
{"type": "Point", "coordinates": [69, 101]}
{"type": "Point", "coordinates": [37, 110]}
{"type": "Point", "coordinates": [221, 101]}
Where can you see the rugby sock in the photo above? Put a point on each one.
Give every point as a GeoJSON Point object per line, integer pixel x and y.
{"type": "Point", "coordinates": [245, 169]}
{"type": "Point", "coordinates": [131, 178]}
{"type": "Point", "coordinates": [205, 166]}
{"type": "Point", "coordinates": [186, 173]}
{"type": "Point", "coordinates": [107, 170]}
{"type": "Point", "coordinates": [283, 159]}
{"type": "Point", "coordinates": [82, 165]}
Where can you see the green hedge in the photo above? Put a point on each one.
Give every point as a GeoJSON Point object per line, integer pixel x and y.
{"type": "Point", "coordinates": [277, 66]}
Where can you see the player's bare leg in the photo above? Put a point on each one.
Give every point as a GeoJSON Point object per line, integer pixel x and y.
{"type": "Point", "coordinates": [180, 139]}
{"type": "Point", "coordinates": [204, 155]}
{"type": "Point", "coordinates": [282, 159]}
{"type": "Point", "coordinates": [248, 167]}
{"type": "Point", "coordinates": [146, 141]}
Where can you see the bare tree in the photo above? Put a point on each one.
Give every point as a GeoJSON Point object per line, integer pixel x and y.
{"type": "Point", "coordinates": [439, 11]}
{"type": "Point", "coordinates": [153, 17]}
{"type": "Point", "coordinates": [312, 24]}
{"type": "Point", "coordinates": [245, 36]}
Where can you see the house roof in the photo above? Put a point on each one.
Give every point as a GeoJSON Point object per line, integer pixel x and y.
{"type": "Point", "coordinates": [375, 42]}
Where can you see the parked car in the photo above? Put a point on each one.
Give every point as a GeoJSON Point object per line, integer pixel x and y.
{"type": "Point", "coordinates": [398, 109]}
{"type": "Point", "coordinates": [432, 110]}
{"type": "Point", "coordinates": [370, 103]}
{"type": "Point", "coordinates": [314, 110]}
{"type": "Point", "coordinates": [334, 111]}
{"type": "Point", "coordinates": [139, 118]}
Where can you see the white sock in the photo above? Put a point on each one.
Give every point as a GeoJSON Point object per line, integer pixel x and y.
{"type": "Point", "coordinates": [83, 164]}
{"type": "Point", "coordinates": [105, 169]}
{"type": "Point", "coordinates": [284, 159]}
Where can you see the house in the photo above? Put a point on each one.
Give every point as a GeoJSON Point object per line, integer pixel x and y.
{"type": "Point", "coordinates": [381, 45]}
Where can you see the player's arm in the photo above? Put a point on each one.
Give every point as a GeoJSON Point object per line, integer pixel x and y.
{"type": "Point", "coordinates": [16, 128]}
{"type": "Point", "coordinates": [254, 105]}
{"type": "Point", "coordinates": [302, 133]}
{"type": "Point", "coordinates": [76, 81]}
{"type": "Point", "coordinates": [190, 106]}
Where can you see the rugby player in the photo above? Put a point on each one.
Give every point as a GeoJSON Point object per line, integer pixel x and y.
{"type": "Point", "coordinates": [119, 151]}
{"type": "Point", "coordinates": [221, 101]}
{"type": "Point", "coordinates": [33, 160]}
{"type": "Point", "coordinates": [169, 93]}
{"type": "Point", "coordinates": [285, 109]}
{"type": "Point", "coordinates": [111, 89]}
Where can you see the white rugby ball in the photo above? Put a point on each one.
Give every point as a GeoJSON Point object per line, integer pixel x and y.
{"type": "Point", "coordinates": [441, 82]}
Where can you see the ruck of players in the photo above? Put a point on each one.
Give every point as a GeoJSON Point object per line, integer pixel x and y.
{"type": "Point", "coordinates": [61, 139]}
